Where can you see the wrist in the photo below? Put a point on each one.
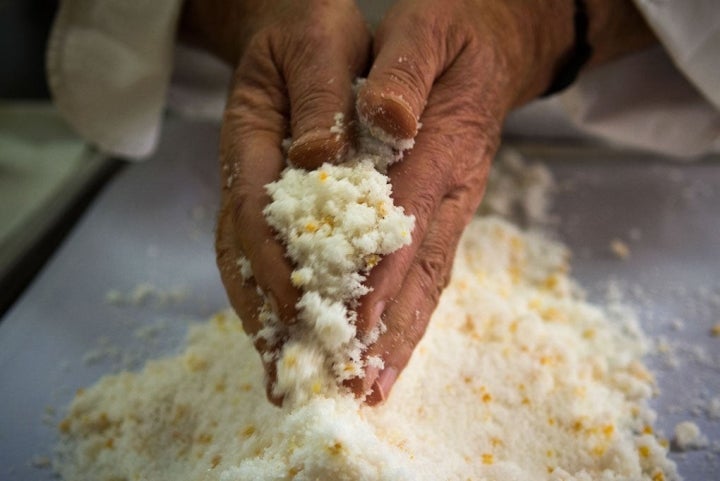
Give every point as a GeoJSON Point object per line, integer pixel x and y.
{"type": "Point", "coordinates": [546, 37]}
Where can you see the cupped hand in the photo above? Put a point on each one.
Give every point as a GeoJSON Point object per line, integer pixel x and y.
{"type": "Point", "coordinates": [293, 77]}
{"type": "Point", "coordinates": [445, 73]}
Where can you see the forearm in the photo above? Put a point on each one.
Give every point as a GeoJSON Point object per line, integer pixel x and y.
{"type": "Point", "coordinates": [615, 28]}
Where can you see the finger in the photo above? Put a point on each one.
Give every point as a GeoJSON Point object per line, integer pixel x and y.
{"type": "Point", "coordinates": [407, 315]}
{"type": "Point", "coordinates": [453, 151]}
{"type": "Point", "coordinates": [253, 128]}
{"type": "Point", "coordinates": [319, 74]}
{"type": "Point", "coordinates": [243, 296]}
{"type": "Point", "coordinates": [409, 57]}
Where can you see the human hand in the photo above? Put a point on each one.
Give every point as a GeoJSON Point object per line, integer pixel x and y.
{"type": "Point", "coordinates": [458, 67]}
{"type": "Point", "coordinates": [294, 75]}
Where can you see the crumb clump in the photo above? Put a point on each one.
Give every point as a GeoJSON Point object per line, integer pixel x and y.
{"type": "Point", "coordinates": [688, 436]}
{"type": "Point", "coordinates": [336, 223]}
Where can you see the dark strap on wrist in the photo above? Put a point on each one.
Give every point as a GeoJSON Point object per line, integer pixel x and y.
{"type": "Point", "coordinates": [581, 52]}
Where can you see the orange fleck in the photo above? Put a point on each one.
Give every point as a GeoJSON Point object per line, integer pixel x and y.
{"type": "Point", "coordinates": [659, 476]}
{"type": "Point", "coordinates": [551, 282]}
{"type": "Point", "coordinates": [588, 334]}
{"type": "Point", "coordinates": [336, 448]}
{"type": "Point", "coordinates": [599, 450]}
{"type": "Point", "coordinates": [248, 431]}
{"type": "Point", "coordinates": [644, 451]}
{"type": "Point", "coordinates": [195, 363]}
{"type": "Point", "coordinates": [64, 425]}
{"type": "Point", "coordinates": [488, 458]}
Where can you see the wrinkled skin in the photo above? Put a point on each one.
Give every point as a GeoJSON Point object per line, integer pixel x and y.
{"type": "Point", "coordinates": [294, 76]}
{"type": "Point", "coordinates": [454, 67]}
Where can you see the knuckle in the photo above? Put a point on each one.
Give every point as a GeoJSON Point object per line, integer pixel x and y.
{"type": "Point", "coordinates": [422, 204]}
{"type": "Point", "coordinates": [315, 103]}
{"type": "Point", "coordinates": [434, 271]}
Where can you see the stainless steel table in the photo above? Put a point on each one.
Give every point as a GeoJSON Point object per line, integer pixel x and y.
{"type": "Point", "coordinates": [140, 266]}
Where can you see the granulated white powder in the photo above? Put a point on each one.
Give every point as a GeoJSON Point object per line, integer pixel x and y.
{"type": "Point", "coordinates": [518, 377]}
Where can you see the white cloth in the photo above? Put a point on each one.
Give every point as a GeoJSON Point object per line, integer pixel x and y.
{"type": "Point", "coordinates": [108, 67]}
{"type": "Point", "coordinates": [109, 64]}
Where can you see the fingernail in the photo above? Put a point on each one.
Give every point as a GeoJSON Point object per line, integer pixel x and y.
{"type": "Point", "coordinates": [378, 311]}
{"type": "Point", "coordinates": [382, 385]}
{"type": "Point", "coordinates": [314, 148]}
{"type": "Point", "coordinates": [273, 303]}
{"type": "Point", "coordinates": [389, 112]}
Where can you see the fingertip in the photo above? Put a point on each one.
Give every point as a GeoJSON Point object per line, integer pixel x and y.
{"type": "Point", "coordinates": [270, 394]}
{"type": "Point", "coordinates": [382, 386]}
{"type": "Point", "coordinates": [315, 148]}
{"type": "Point", "coordinates": [387, 111]}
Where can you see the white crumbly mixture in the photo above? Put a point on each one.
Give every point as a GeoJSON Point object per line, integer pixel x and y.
{"type": "Point", "coordinates": [519, 190]}
{"type": "Point", "coordinates": [517, 378]}
{"type": "Point", "coordinates": [336, 223]}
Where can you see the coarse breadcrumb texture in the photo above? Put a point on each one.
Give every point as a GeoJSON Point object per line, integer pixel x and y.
{"type": "Point", "coordinates": [517, 378]}
{"type": "Point", "coordinates": [336, 223]}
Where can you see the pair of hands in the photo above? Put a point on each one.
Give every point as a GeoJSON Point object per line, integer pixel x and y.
{"type": "Point", "coordinates": [458, 66]}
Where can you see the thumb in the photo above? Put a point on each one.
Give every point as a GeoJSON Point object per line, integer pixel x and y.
{"type": "Point", "coordinates": [409, 57]}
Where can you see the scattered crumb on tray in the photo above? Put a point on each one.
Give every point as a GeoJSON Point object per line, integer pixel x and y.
{"type": "Point", "coordinates": [620, 249]}
{"type": "Point", "coordinates": [688, 436]}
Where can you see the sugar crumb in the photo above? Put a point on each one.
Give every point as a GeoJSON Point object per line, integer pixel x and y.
{"type": "Point", "coordinates": [620, 249]}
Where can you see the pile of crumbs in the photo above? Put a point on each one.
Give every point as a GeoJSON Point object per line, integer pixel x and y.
{"type": "Point", "coordinates": [518, 377]}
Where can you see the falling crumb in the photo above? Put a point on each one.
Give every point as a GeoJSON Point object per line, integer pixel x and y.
{"type": "Point", "coordinates": [620, 249]}
{"type": "Point", "coordinates": [715, 330]}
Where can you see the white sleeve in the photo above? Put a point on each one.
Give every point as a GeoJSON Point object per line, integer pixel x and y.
{"type": "Point", "coordinates": [664, 99]}
{"type": "Point", "coordinates": [108, 66]}
{"type": "Point", "coordinates": [690, 32]}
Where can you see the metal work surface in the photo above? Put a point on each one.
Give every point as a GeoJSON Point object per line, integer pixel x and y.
{"type": "Point", "coordinates": [140, 266]}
